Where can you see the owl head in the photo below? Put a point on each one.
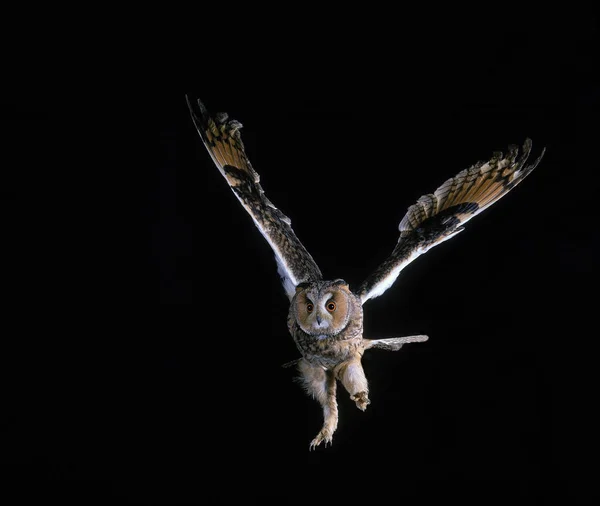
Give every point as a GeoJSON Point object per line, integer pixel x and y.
{"type": "Point", "coordinates": [324, 308]}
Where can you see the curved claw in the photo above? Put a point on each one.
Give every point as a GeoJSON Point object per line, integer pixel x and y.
{"type": "Point", "coordinates": [324, 435]}
{"type": "Point", "coordinates": [361, 399]}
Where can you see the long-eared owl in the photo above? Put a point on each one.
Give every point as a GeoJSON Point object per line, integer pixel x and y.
{"type": "Point", "coordinates": [326, 317]}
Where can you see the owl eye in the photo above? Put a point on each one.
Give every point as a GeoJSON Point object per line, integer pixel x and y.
{"type": "Point", "coordinates": [331, 306]}
{"type": "Point", "coordinates": [309, 308]}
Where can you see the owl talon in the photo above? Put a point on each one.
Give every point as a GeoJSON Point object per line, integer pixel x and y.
{"type": "Point", "coordinates": [324, 435]}
{"type": "Point", "coordinates": [361, 399]}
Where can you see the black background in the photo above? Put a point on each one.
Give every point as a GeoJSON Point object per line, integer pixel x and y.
{"type": "Point", "coordinates": [147, 317]}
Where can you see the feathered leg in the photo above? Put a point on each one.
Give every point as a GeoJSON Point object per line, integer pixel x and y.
{"type": "Point", "coordinates": [352, 376]}
{"type": "Point", "coordinates": [321, 385]}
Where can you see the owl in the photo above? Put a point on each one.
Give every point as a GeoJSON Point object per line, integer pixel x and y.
{"type": "Point", "coordinates": [325, 317]}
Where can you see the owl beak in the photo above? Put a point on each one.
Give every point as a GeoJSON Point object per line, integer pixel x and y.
{"type": "Point", "coordinates": [319, 320]}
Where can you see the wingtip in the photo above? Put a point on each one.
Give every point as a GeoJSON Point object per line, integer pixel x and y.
{"type": "Point", "coordinates": [201, 109]}
{"type": "Point", "coordinates": [527, 149]}
{"type": "Point", "coordinates": [539, 158]}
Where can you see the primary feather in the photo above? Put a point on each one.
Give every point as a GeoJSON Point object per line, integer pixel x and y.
{"type": "Point", "coordinates": [222, 139]}
{"type": "Point", "coordinates": [439, 216]}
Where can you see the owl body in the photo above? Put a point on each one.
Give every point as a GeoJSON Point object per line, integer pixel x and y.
{"type": "Point", "coordinates": [326, 317]}
{"type": "Point", "coordinates": [327, 352]}
{"type": "Point", "coordinates": [326, 322]}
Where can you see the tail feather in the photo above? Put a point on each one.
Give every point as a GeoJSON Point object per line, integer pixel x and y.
{"type": "Point", "coordinates": [393, 343]}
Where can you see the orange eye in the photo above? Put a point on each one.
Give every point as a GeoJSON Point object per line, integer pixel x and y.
{"type": "Point", "coordinates": [309, 308]}
{"type": "Point", "coordinates": [331, 306]}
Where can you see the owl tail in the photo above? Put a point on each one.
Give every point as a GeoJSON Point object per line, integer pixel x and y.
{"type": "Point", "coordinates": [393, 343]}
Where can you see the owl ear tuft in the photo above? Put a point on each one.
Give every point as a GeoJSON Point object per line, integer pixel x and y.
{"type": "Point", "coordinates": [301, 286]}
{"type": "Point", "coordinates": [340, 282]}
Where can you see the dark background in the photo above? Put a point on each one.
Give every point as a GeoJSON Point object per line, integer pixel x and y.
{"type": "Point", "coordinates": [147, 325]}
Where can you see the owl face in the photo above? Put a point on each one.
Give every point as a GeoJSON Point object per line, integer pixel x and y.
{"type": "Point", "coordinates": [323, 308]}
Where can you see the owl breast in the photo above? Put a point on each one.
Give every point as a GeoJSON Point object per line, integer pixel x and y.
{"type": "Point", "coordinates": [326, 352]}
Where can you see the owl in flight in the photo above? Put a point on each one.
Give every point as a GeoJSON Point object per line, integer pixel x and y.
{"type": "Point", "coordinates": [325, 317]}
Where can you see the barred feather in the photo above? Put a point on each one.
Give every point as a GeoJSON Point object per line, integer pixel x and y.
{"type": "Point", "coordinates": [481, 184]}
{"type": "Point", "coordinates": [222, 139]}
{"type": "Point", "coordinates": [438, 216]}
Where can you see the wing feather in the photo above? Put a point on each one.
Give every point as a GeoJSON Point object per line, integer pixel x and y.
{"type": "Point", "coordinates": [439, 216]}
{"type": "Point", "coordinates": [222, 139]}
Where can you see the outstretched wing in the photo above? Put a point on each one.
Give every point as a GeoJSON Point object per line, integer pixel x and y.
{"type": "Point", "coordinates": [221, 136]}
{"type": "Point", "coordinates": [438, 216]}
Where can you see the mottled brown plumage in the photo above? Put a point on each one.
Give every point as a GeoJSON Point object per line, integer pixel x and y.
{"type": "Point", "coordinates": [222, 138]}
{"type": "Point", "coordinates": [326, 337]}
{"type": "Point", "coordinates": [326, 317]}
{"type": "Point", "coordinates": [326, 322]}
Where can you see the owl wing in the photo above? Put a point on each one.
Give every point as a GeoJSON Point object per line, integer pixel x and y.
{"type": "Point", "coordinates": [438, 216]}
{"type": "Point", "coordinates": [221, 136]}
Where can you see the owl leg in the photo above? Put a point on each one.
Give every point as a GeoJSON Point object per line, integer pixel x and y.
{"type": "Point", "coordinates": [352, 376]}
{"type": "Point", "coordinates": [321, 385]}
